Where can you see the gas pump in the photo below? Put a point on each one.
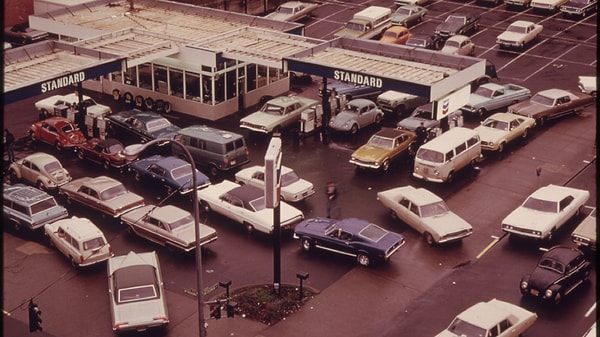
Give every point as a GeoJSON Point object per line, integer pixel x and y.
{"type": "Point", "coordinates": [311, 120]}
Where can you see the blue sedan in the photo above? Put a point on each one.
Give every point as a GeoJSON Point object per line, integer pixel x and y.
{"type": "Point", "coordinates": [354, 237]}
{"type": "Point", "coordinates": [174, 174]}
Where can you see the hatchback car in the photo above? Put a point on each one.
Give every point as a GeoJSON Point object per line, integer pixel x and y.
{"type": "Point", "coordinates": [167, 225]}
{"type": "Point", "coordinates": [59, 132]}
{"type": "Point", "coordinates": [26, 207]}
{"type": "Point", "coordinates": [396, 34]}
{"type": "Point", "coordinates": [79, 240]}
{"type": "Point", "coordinates": [136, 292]}
{"type": "Point", "coordinates": [558, 272]}
{"type": "Point", "coordinates": [39, 169]}
{"type": "Point", "coordinates": [357, 114]}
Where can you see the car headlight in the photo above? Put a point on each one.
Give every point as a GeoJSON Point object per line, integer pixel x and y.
{"type": "Point", "coordinates": [491, 143]}
{"type": "Point", "coordinates": [548, 293]}
{"type": "Point", "coordinates": [436, 172]}
{"type": "Point", "coordinates": [524, 284]}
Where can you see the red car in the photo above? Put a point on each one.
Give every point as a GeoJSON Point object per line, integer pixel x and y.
{"type": "Point", "coordinates": [106, 152]}
{"type": "Point", "coordinates": [57, 131]}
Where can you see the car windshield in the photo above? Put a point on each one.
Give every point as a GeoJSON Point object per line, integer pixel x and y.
{"type": "Point", "coordinates": [437, 208]}
{"type": "Point", "coordinates": [289, 178]}
{"type": "Point", "coordinates": [285, 10]}
{"type": "Point", "coordinates": [552, 265]}
{"type": "Point", "coordinates": [430, 155]}
{"type": "Point", "coordinates": [52, 166]}
{"type": "Point", "coordinates": [495, 124]}
{"type": "Point", "coordinates": [87, 102]}
{"type": "Point", "coordinates": [517, 29]}
{"type": "Point", "coordinates": [543, 100]}
{"type": "Point", "coordinates": [381, 142]}
{"type": "Point", "coordinates": [403, 11]}
{"type": "Point", "coordinates": [116, 148]}
{"type": "Point", "coordinates": [423, 114]}
{"type": "Point", "coordinates": [272, 109]}
{"type": "Point", "coordinates": [188, 219]}
{"type": "Point", "coordinates": [541, 205]}
{"type": "Point", "coordinates": [372, 232]}
{"type": "Point", "coordinates": [68, 128]}
{"type": "Point", "coordinates": [483, 91]}
{"type": "Point", "coordinates": [455, 19]}
{"type": "Point", "coordinates": [158, 124]}
{"type": "Point", "coordinates": [93, 243]}
{"type": "Point", "coordinates": [113, 192]}
{"type": "Point", "coordinates": [43, 205]}
{"type": "Point", "coordinates": [181, 171]}
{"type": "Point", "coordinates": [417, 42]}
{"type": "Point", "coordinates": [359, 27]}
{"type": "Point", "coordinates": [451, 43]}
{"type": "Point", "coordinates": [466, 329]}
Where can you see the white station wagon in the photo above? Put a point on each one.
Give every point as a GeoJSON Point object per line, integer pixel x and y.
{"type": "Point", "coordinates": [426, 212]}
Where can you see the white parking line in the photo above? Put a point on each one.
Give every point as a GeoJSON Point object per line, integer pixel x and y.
{"type": "Point", "coordinates": [590, 310]}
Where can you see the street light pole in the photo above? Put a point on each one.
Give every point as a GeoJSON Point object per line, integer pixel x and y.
{"type": "Point", "coordinates": [134, 151]}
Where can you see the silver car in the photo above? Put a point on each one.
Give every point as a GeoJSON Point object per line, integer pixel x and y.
{"type": "Point", "coordinates": [136, 292]}
{"type": "Point", "coordinates": [357, 114]}
{"type": "Point", "coordinates": [39, 169]}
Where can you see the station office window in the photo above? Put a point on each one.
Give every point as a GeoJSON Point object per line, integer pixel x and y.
{"type": "Point", "coordinates": [192, 86]}
{"type": "Point", "coordinates": [145, 73]}
{"type": "Point", "coordinates": [131, 76]}
{"type": "Point", "coordinates": [176, 82]}
{"type": "Point", "coordinates": [161, 82]}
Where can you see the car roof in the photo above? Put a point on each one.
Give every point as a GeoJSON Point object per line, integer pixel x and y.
{"type": "Point", "coordinates": [421, 196]}
{"type": "Point", "coordinates": [25, 193]}
{"type": "Point", "coordinates": [484, 314]}
{"type": "Point", "coordinates": [79, 228]}
{"type": "Point", "coordinates": [458, 38]}
{"type": "Point", "coordinates": [521, 23]}
{"type": "Point", "coordinates": [504, 116]}
{"type": "Point", "coordinates": [246, 192]}
{"type": "Point", "coordinates": [102, 182]}
{"type": "Point", "coordinates": [551, 192]}
{"type": "Point", "coordinates": [283, 100]}
{"type": "Point", "coordinates": [554, 92]}
{"type": "Point", "coordinates": [360, 102]}
{"type": "Point", "coordinates": [167, 213]}
{"type": "Point", "coordinates": [209, 133]}
{"type": "Point", "coordinates": [41, 158]}
{"type": "Point", "coordinates": [171, 162]}
{"type": "Point", "coordinates": [397, 28]}
{"type": "Point", "coordinates": [561, 253]}
{"type": "Point", "coordinates": [391, 132]}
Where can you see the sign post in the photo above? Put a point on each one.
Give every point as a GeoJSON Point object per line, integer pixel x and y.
{"type": "Point", "coordinates": [272, 197]}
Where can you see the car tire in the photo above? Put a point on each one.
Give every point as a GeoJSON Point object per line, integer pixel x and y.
{"type": "Point", "coordinates": [450, 177]}
{"type": "Point", "coordinates": [16, 226]}
{"type": "Point", "coordinates": [481, 112]}
{"type": "Point", "coordinates": [249, 227]}
{"type": "Point", "coordinates": [394, 215]}
{"type": "Point", "coordinates": [363, 259]}
{"type": "Point", "coordinates": [130, 231]}
{"type": "Point", "coordinates": [428, 238]}
{"type": "Point", "coordinates": [68, 200]}
{"type": "Point", "coordinates": [80, 155]}
{"type": "Point", "coordinates": [58, 146]}
{"type": "Point", "coordinates": [168, 107]}
{"type": "Point", "coordinates": [213, 170]}
{"type": "Point", "coordinates": [44, 114]}
{"type": "Point", "coordinates": [73, 263]}
{"type": "Point", "coordinates": [525, 133]}
{"type": "Point", "coordinates": [558, 298]}
{"type": "Point", "coordinates": [378, 119]}
{"type": "Point", "coordinates": [307, 244]}
{"type": "Point", "coordinates": [159, 106]}
{"type": "Point", "coordinates": [139, 101]}
{"type": "Point", "coordinates": [128, 98]}
{"type": "Point", "coordinates": [354, 129]}
{"type": "Point", "coordinates": [501, 147]}
{"type": "Point", "coordinates": [40, 186]}
{"type": "Point", "coordinates": [33, 136]}
{"type": "Point", "coordinates": [385, 166]}
{"type": "Point", "coordinates": [149, 103]}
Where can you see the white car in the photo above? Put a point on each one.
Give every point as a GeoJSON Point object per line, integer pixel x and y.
{"type": "Point", "coordinates": [39, 169]}
{"type": "Point", "coordinates": [136, 292]}
{"type": "Point", "coordinates": [54, 105]}
{"type": "Point", "coordinates": [501, 128]}
{"type": "Point", "coordinates": [167, 225]}
{"type": "Point", "coordinates": [545, 211]}
{"type": "Point", "coordinates": [426, 212]}
{"type": "Point", "coordinates": [246, 204]}
{"type": "Point", "coordinates": [518, 34]}
{"type": "Point", "coordinates": [547, 5]}
{"type": "Point", "coordinates": [458, 45]}
{"type": "Point", "coordinates": [292, 11]}
{"type": "Point", "coordinates": [492, 318]}
{"type": "Point", "coordinates": [79, 240]}
{"type": "Point", "coordinates": [277, 113]}
{"type": "Point", "coordinates": [587, 84]}
{"type": "Point", "coordinates": [293, 188]}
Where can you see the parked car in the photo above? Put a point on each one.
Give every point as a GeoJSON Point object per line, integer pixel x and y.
{"type": "Point", "coordinates": [490, 2]}
{"type": "Point", "coordinates": [424, 114]}
{"type": "Point", "coordinates": [587, 84]}
{"type": "Point", "coordinates": [168, 226]}
{"type": "Point", "coordinates": [396, 35]}
{"type": "Point", "coordinates": [21, 34]}
{"type": "Point", "coordinates": [136, 292]}
{"type": "Point", "coordinates": [356, 114]}
{"type": "Point", "coordinates": [457, 24]}
{"type": "Point", "coordinates": [106, 152]}
{"type": "Point", "coordinates": [385, 146]}
{"type": "Point", "coordinates": [578, 7]}
{"type": "Point", "coordinates": [501, 128]}
{"type": "Point", "coordinates": [39, 169]}
{"type": "Point", "coordinates": [57, 105]}
{"type": "Point", "coordinates": [104, 194]}
{"type": "Point", "coordinates": [425, 41]}
{"type": "Point", "coordinates": [547, 5]}
{"type": "Point", "coordinates": [141, 126]}
{"type": "Point", "coordinates": [425, 212]}
{"type": "Point", "coordinates": [558, 272]}
{"type": "Point", "coordinates": [410, 2]}
{"type": "Point", "coordinates": [492, 96]}
{"type": "Point", "coordinates": [552, 103]}
{"type": "Point", "coordinates": [246, 204]}
{"type": "Point", "coordinates": [492, 318]}
{"type": "Point", "coordinates": [293, 188]}
{"type": "Point", "coordinates": [518, 34]}
{"type": "Point", "coordinates": [59, 132]}
{"type": "Point", "coordinates": [277, 113]}
{"type": "Point", "coordinates": [408, 15]}
{"type": "Point", "coordinates": [584, 235]}
{"type": "Point", "coordinates": [79, 240]}
{"type": "Point", "coordinates": [365, 241]}
{"type": "Point", "coordinates": [545, 211]}
{"type": "Point", "coordinates": [169, 173]}
{"type": "Point", "coordinates": [292, 11]}
{"type": "Point", "coordinates": [27, 208]}
{"type": "Point", "coordinates": [459, 45]}
{"type": "Point", "coordinates": [398, 103]}
{"type": "Point", "coordinates": [517, 3]}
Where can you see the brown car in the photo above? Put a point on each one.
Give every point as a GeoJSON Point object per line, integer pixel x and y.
{"type": "Point", "coordinates": [106, 152]}
{"type": "Point", "coordinates": [383, 147]}
{"type": "Point", "coordinates": [551, 103]}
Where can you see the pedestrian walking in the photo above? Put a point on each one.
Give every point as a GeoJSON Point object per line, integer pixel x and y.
{"type": "Point", "coordinates": [9, 145]}
{"type": "Point", "coordinates": [332, 195]}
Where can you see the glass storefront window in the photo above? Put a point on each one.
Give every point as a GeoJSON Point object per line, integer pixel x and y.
{"type": "Point", "coordinates": [261, 79]}
{"type": "Point", "coordinates": [161, 83]}
{"type": "Point", "coordinates": [206, 89]}
{"type": "Point", "coordinates": [251, 76]}
{"type": "Point", "coordinates": [176, 82]}
{"type": "Point", "coordinates": [145, 72]}
{"type": "Point", "coordinates": [192, 86]}
{"type": "Point", "coordinates": [131, 76]}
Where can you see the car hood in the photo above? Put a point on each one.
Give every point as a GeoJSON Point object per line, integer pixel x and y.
{"type": "Point", "coordinates": [527, 218]}
{"type": "Point", "coordinates": [490, 134]}
{"type": "Point", "coordinates": [370, 153]}
{"type": "Point", "coordinates": [389, 39]}
{"type": "Point", "coordinates": [528, 108]}
{"type": "Point", "coordinates": [298, 187]}
{"type": "Point", "coordinates": [139, 313]}
{"type": "Point", "coordinates": [398, 17]}
{"type": "Point", "coordinates": [411, 123]}
{"type": "Point", "coordinates": [261, 118]}
{"type": "Point", "coordinates": [447, 223]}
{"type": "Point", "coordinates": [542, 278]}
{"type": "Point", "coordinates": [314, 226]}
{"type": "Point", "coordinates": [342, 118]}
{"type": "Point", "coordinates": [511, 36]}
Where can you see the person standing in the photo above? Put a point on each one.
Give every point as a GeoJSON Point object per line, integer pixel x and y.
{"type": "Point", "coordinates": [421, 132]}
{"type": "Point", "coordinates": [331, 197]}
{"type": "Point", "coordinates": [9, 145]}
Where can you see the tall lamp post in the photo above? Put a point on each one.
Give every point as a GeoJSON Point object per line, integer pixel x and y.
{"type": "Point", "coordinates": [132, 151]}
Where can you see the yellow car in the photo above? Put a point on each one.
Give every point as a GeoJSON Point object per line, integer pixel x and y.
{"type": "Point", "coordinates": [383, 147]}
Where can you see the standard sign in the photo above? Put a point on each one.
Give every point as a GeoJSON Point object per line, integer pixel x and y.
{"type": "Point", "coordinates": [357, 78]}
{"type": "Point", "coordinates": [63, 81]}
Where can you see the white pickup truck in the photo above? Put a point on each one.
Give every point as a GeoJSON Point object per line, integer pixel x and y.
{"type": "Point", "coordinates": [398, 103]}
{"type": "Point", "coordinates": [55, 105]}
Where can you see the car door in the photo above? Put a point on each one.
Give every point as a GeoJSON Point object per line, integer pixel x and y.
{"type": "Point", "coordinates": [257, 179]}
{"type": "Point", "coordinates": [340, 241]}
{"type": "Point", "coordinates": [366, 115]}
{"type": "Point", "coordinates": [29, 171]}
{"type": "Point", "coordinates": [47, 133]}
{"type": "Point", "coordinates": [65, 243]}
{"type": "Point", "coordinates": [409, 213]}
{"type": "Point", "coordinates": [154, 230]}
{"type": "Point", "coordinates": [515, 129]}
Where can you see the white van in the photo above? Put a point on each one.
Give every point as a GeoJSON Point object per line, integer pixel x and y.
{"type": "Point", "coordinates": [368, 23]}
{"type": "Point", "coordinates": [439, 159]}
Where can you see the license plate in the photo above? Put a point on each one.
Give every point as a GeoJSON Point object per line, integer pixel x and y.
{"type": "Point", "coordinates": [425, 170]}
{"type": "Point", "coordinates": [534, 292]}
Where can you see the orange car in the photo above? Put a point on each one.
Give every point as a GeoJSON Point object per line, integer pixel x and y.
{"type": "Point", "coordinates": [396, 34]}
